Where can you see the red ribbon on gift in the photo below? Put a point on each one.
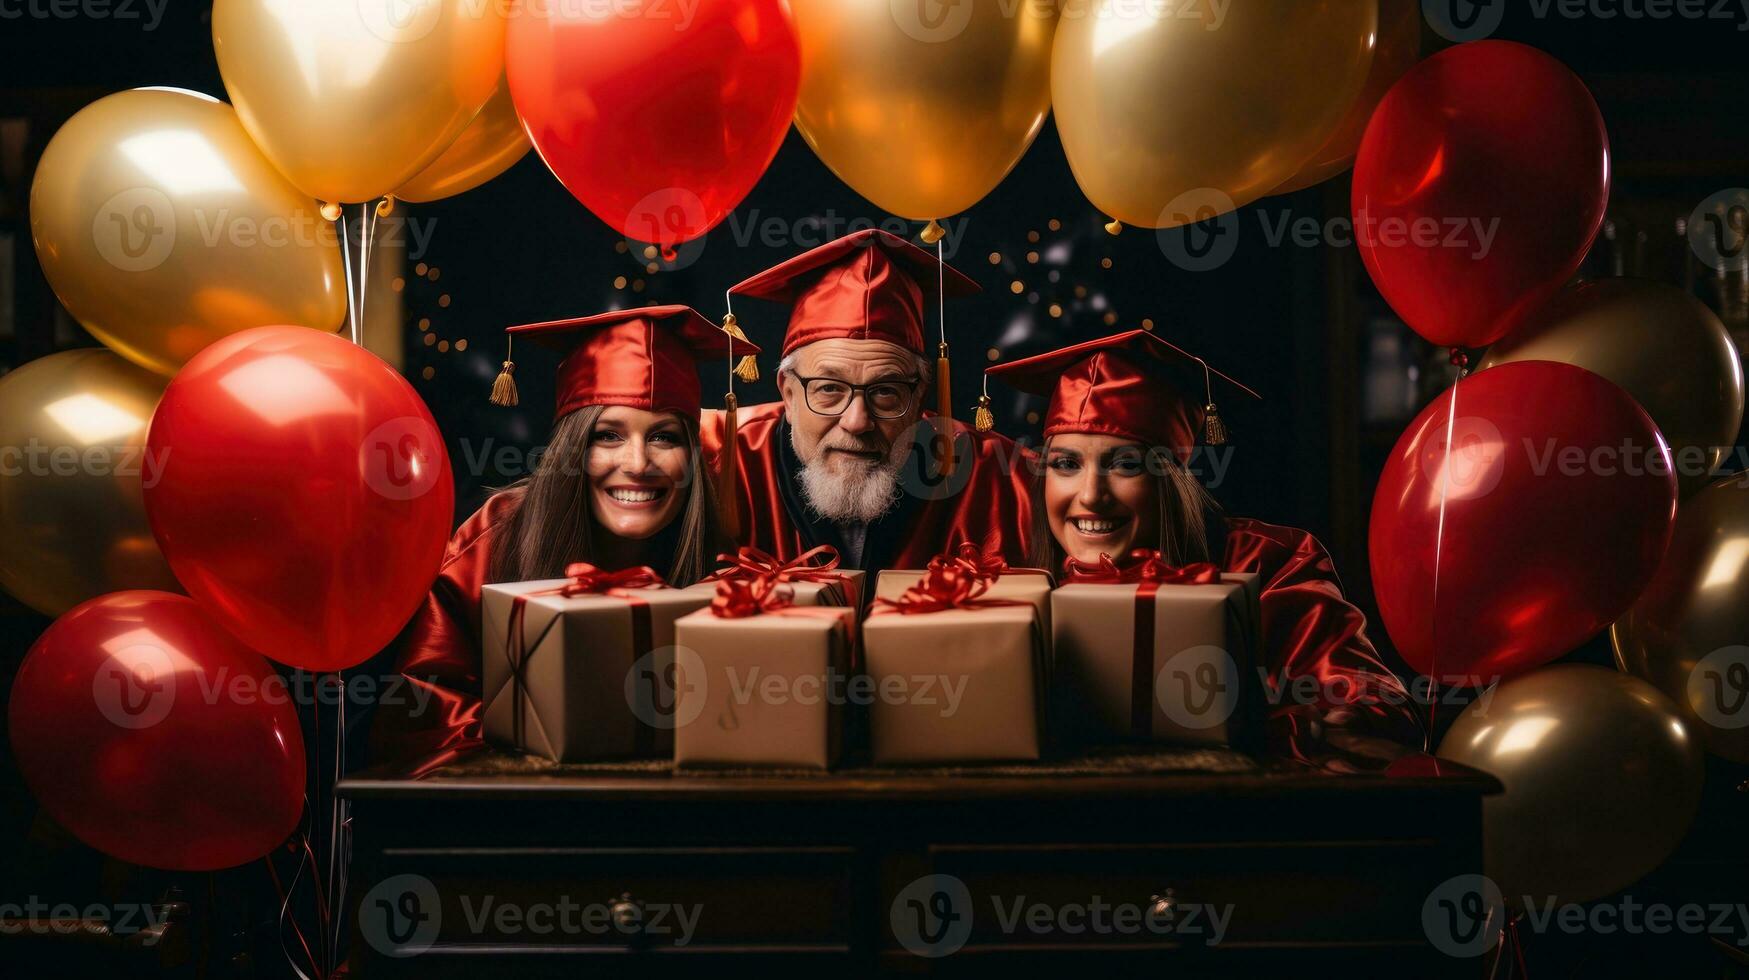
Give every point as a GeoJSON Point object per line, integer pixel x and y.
{"type": "Point", "coordinates": [1143, 565]}
{"type": "Point", "coordinates": [750, 564]}
{"type": "Point", "coordinates": [585, 579]}
{"type": "Point", "coordinates": [739, 598]}
{"type": "Point", "coordinates": [1147, 569]}
{"type": "Point", "coordinates": [948, 583]}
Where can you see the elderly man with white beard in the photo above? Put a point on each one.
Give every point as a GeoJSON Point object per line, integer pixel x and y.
{"type": "Point", "coordinates": [843, 460]}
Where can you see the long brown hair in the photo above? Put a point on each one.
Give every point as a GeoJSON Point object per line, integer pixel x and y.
{"type": "Point", "coordinates": [1183, 522]}
{"type": "Point", "coordinates": [552, 525]}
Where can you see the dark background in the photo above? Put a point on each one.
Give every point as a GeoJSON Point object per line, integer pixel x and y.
{"type": "Point", "coordinates": [1339, 375]}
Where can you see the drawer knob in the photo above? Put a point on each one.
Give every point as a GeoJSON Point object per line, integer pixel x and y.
{"type": "Point", "coordinates": [627, 913]}
{"type": "Point", "coordinates": [1163, 905]}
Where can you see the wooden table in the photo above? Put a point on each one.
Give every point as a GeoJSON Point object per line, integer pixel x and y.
{"type": "Point", "coordinates": [1278, 870]}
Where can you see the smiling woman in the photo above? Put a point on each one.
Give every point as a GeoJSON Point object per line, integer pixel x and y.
{"type": "Point", "coordinates": [618, 487]}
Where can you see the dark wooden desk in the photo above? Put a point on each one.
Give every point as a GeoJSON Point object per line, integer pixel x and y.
{"type": "Point", "coordinates": [1317, 872]}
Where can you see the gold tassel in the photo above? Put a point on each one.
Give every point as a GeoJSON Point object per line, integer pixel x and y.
{"type": "Point", "coordinates": [731, 513]}
{"type": "Point", "coordinates": [944, 408]}
{"type": "Point", "coordinates": [504, 388]}
{"type": "Point", "coordinates": [1113, 226]}
{"type": "Point", "coordinates": [748, 367]}
{"type": "Point", "coordinates": [1214, 431]}
{"type": "Point", "coordinates": [982, 420]}
{"type": "Point", "coordinates": [933, 232]}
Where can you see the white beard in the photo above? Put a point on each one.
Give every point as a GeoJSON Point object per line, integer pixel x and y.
{"type": "Point", "coordinates": [860, 495]}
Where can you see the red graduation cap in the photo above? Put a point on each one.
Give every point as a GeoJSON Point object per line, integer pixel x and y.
{"type": "Point", "coordinates": [641, 358]}
{"type": "Point", "coordinates": [1132, 385]}
{"type": "Point", "coordinates": [869, 285]}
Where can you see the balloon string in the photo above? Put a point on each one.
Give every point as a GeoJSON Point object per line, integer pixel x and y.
{"type": "Point", "coordinates": [368, 218]}
{"type": "Point", "coordinates": [346, 268]}
{"type": "Point", "coordinates": [337, 858]}
{"type": "Point", "coordinates": [1438, 555]}
{"type": "Point", "coordinates": [284, 905]}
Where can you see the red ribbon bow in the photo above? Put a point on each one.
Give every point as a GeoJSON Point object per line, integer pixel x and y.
{"type": "Point", "coordinates": [967, 555]}
{"type": "Point", "coordinates": [587, 579]}
{"type": "Point", "coordinates": [1143, 565]}
{"type": "Point", "coordinates": [739, 598]}
{"type": "Point", "coordinates": [751, 563]}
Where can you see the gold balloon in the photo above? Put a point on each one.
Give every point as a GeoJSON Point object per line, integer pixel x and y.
{"type": "Point", "coordinates": [1660, 344]}
{"type": "Point", "coordinates": [490, 145]}
{"type": "Point", "coordinates": [352, 98]}
{"type": "Point", "coordinates": [1601, 776]}
{"type": "Point", "coordinates": [1687, 635]}
{"type": "Point", "coordinates": [923, 108]}
{"type": "Point", "coordinates": [162, 229]}
{"type": "Point", "coordinates": [1170, 113]}
{"type": "Point", "coordinates": [1397, 50]}
{"type": "Point", "coordinates": [72, 461]}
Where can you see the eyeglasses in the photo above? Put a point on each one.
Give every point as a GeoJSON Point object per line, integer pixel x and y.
{"type": "Point", "coordinates": [885, 400]}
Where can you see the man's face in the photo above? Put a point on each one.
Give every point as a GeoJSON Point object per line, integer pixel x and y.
{"type": "Point", "coordinates": [851, 459]}
{"type": "Point", "coordinates": [855, 441]}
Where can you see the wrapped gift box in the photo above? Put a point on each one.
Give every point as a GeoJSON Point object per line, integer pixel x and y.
{"type": "Point", "coordinates": [578, 696]}
{"type": "Point", "coordinates": [763, 690]}
{"type": "Point", "coordinates": [1031, 585]}
{"type": "Point", "coordinates": [960, 683]}
{"type": "Point", "coordinates": [1160, 662]}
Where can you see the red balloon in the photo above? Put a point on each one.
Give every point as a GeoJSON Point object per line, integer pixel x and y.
{"type": "Point", "coordinates": [305, 496]}
{"type": "Point", "coordinates": [155, 737]}
{"type": "Point", "coordinates": [659, 118]}
{"type": "Point", "coordinates": [1479, 186]}
{"type": "Point", "coordinates": [1559, 502]}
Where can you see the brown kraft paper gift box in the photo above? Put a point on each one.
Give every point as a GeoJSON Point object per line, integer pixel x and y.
{"type": "Point", "coordinates": [1032, 585]}
{"type": "Point", "coordinates": [960, 680]}
{"type": "Point", "coordinates": [1192, 678]}
{"type": "Point", "coordinates": [763, 690]}
{"type": "Point", "coordinates": [596, 669]}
